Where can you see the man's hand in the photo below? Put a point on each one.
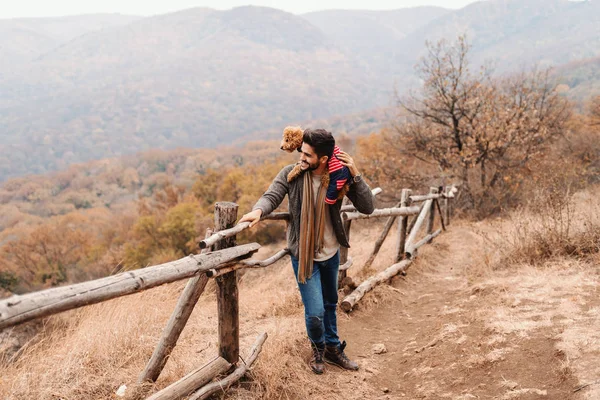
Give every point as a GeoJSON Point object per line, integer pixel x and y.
{"type": "Point", "coordinates": [347, 161]}
{"type": "Point", "coordinates": [253, 217]}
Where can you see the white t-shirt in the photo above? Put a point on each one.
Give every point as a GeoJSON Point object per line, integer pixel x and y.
{"type": "Point", "coordinates": [330, 242]}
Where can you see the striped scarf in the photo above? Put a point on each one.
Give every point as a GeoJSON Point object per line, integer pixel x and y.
{"type": "Point", "coordinates": [312, 225]}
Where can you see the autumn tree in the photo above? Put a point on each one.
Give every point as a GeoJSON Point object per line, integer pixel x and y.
{"type": "Point", "coordinates": [474, 127]}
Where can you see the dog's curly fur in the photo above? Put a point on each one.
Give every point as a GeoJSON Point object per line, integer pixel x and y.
{"type": "Point", "coordinates": [292, 138]}
{"type": "Point", "coordinates": [291, 141]}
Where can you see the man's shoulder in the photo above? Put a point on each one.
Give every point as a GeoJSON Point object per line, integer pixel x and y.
{"type": "Point", "coordinates": [286, 170]}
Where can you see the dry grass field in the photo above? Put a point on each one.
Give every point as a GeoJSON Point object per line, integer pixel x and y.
{"type": "Point", "coordinates": [499, 309]}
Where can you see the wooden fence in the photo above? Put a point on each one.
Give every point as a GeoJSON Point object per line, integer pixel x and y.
{"type": "Point", "coordinates": [220, 259]}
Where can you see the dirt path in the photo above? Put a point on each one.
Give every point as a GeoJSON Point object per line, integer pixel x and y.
{"type": "Point", "coordinates": [499, 336]}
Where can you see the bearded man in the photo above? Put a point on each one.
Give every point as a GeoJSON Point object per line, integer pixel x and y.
{"type": "Point", "coordinates": [314, 235]}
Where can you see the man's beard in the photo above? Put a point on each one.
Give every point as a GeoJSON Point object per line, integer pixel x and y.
{"type": "Point", "coordinates": [311, 167]}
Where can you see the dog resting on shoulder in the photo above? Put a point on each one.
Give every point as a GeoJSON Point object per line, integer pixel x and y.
{"type": "Point", "coordinates": [337, 180]}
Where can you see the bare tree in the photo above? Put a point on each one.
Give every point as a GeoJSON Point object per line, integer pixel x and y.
{"type": "Point", "coordinates": [466, 122]}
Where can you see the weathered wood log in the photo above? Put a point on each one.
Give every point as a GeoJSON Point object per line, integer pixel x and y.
{"type": "Point", "coordinates": [382, 212]}
{"type": "Point", "coordinates": [350, 301]}
{"type": "Point", "coordinates": [346, 266]}
{"type": "Point", "coordinates": [402, 226]}
{"type": "Point", "coordinates": [192, 381]}
{"type": "Point", "coordinates": [379, 242]}
{"type": "Point", "coordinates": [414, 220]}
{"type": "Point", "coordinates": [431, 196]}
{"type": "Point", "coordinates": [227, 233]}
{"type": "Point", "coordinates": [437, 204]}
{"type": "Point", "coordinates": [276, 216]}
{"type": "Point", "coordinates": [447, 210]}
{"type": "Point", "coordinates": [213, 273]}
{"type": "Point", "coordinates": [224, 384]}
{"type": "Point", "coordinates": [185, 305]}
{"type": "Point", "coordinates": [350, 207]}
{"type": "Point", "coordinates": [268, 261]}
{"type": "Point", "coordinates": [426, 208]}
{"type": "Point", "coordinates": [224, 269]}
{"type": "Point", "coordinates": [18, 309]}
{"type": "Point", "coordinates": [227, 289]}
{"type": "Point", "coordinates": [223, 234]}
{"type": "Point", "coordinates": [431, 219]}
{"type": "Point", "coordinates": [412, 249]}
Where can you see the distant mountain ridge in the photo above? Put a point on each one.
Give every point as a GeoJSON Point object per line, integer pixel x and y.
{"type": "Point", "coordinates": [24, 39]}
{"type": "Point", "coordinates": [84, 89]}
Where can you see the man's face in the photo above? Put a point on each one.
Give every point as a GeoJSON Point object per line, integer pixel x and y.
{"type": "Point", "coordinates": [308, 158]}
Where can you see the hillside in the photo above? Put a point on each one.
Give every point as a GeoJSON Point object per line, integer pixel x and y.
{"type": "Point", "coordinates": [24, 39]}
{"type": "Point", "coordinates": [95, 87]}
{"type": "Point", "coordinates": [373, 36]}
{"type": "Point", "coordinates": [582, 78]}
{"type": "Point", "coordinates": [514, 34]}
{"type": "Point", "coordinates": [196, 78]}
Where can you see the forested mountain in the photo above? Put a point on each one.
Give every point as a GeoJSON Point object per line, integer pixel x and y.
{"type": "Point", "coordinates": [517, 33]}
{"type": "Point", "coordinates": [91, 87]}
{"type": "Point", "coordinates": [24, 39]}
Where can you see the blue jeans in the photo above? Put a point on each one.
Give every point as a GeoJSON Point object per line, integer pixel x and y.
{"type": "Point", "coordinates": [320, 297]}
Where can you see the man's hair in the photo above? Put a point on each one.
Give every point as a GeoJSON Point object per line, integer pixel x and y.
{"type": "Point", "coordinates": [322, 141]}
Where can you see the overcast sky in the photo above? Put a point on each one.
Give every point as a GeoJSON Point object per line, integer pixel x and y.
{"type": "Point", "coordinates": [49, 8]}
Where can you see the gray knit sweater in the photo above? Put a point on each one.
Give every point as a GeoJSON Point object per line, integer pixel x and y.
{"type": "Point", "coordinates": [359, 193]}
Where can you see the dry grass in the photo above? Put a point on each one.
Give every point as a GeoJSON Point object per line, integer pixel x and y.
{"type": "Point", "coordinates": [555, 224]}
{"type": "Point", "coordinates": [90, 352]}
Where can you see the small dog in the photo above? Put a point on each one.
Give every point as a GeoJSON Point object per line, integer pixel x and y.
{"type": "Point", "coordinates": [292, 138]}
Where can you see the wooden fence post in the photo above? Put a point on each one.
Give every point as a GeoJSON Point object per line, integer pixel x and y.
{"type": "Point", "coordinates": [447, 206]}
{"type": "Point", "coordinates": [431, 219]}
{"type": "Point", "coordinates": [402, 225]}
{"type": "Point", "coordinates": [344, 250]}
{"type": "Point", "coordinates": [227, 290]}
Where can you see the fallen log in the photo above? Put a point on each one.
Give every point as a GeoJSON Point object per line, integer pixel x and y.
{"type": "Point", "coordinates": [18, 309]}
{"type": "Point", "coordinates": [192, 381]}
{"type": "Point", "coordinates": [224, 384]}
{"type": "Point", "coordinates": [383, 212]}
{"type": "Point", "coordinates": [350, 301]}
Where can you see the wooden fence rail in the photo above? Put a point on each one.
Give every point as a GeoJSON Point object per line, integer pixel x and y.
{"type": "Point", "coordinates": [220, 259]}
{"type": "Point", "coordinates": [18, 309]}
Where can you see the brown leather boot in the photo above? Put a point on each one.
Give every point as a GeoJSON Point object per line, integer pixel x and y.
{"type": "Point", "coordinates": [335, 355]}
{"type": "Point", "coordinates": [316, 363]}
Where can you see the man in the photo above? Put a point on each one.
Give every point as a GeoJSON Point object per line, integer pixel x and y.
{"type": "Point", "coordinates": [314, 235]}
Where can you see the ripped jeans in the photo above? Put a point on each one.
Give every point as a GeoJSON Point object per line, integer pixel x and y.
{"type": "Point", "coordinates": [319, 296]}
